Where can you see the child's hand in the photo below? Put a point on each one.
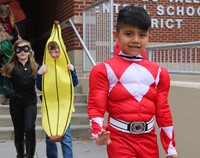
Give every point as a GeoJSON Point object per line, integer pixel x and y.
{"type": "Point", "coordinates": [70, 67]}
{"type": "Point", "coordinates": [43, 69]}
{"type": "Point", "coordinates": [103, 138]}
{"type": "Point", "coordinates": [56, 22]}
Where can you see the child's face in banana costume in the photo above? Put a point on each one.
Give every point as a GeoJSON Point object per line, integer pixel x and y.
{"type": "Point", "coordinates": [55, 53]}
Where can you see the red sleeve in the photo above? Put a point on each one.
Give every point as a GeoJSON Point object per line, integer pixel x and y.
{"type": "Point", "coordinates": [98, 94]}
{"type": "Point", "coordinates": [163, 114]}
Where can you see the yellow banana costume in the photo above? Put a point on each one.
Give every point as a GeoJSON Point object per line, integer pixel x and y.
{"type": "Point", "coordinates": [57, 89]}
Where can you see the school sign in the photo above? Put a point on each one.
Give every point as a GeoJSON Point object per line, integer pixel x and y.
{"type": "Point", "coordinates": [172, 10]}
{"type": "Point", "coordinates": [172, 20]}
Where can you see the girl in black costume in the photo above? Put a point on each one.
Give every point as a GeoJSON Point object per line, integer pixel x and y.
{"type": "Point", "coordinates": [19, 86]}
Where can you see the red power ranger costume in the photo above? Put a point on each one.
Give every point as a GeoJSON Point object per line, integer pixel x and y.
{"type": "Point", "coordinates": [134, 92]}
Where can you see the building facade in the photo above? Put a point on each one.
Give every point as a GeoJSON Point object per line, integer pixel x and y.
{"type": "Point", "coordinates": [173, 21]}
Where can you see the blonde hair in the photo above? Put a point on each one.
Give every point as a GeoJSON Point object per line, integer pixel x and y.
{"type": "Point", "coordinates": [5, 9]}
{"type": "Point", "coordinates": [8, 68]}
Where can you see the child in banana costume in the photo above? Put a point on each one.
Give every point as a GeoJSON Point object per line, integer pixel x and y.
{"type": "Point", "coordinates": [56, 78]}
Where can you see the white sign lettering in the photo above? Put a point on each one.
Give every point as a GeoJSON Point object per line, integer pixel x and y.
{"type": "Point", "coordinates": [161, 10]}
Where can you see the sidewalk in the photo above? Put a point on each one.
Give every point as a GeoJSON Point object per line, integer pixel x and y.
{"type": "Point", "coordinates": [82, 149]}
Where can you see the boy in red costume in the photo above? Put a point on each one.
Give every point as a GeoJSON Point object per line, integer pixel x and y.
{"type": "Point", "coordinates": [134, 92]}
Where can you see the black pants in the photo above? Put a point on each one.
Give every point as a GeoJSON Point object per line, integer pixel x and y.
{"type": "Point", "coordinates": [23, 116]}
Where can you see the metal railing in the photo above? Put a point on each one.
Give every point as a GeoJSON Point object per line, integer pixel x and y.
{"type": "Point", "coordinates": [98, 26]}
{"type": "Point", "coordinates": [177, 58]}
{"type": "Point", "coordinates": [82, 43]}
{"type": "Point", "coordinates": [97, 31]}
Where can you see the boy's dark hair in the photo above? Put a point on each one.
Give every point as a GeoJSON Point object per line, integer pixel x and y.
{"type": "Point", "coordinates": [135, 16]}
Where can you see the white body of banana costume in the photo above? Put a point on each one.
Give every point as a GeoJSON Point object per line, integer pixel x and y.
{"type": "Point", "coordinates": [57, 89]}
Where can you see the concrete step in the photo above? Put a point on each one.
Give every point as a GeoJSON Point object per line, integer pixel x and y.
{"type": "Point", "coordinates": [77, 89]}
{"type": "Point", "coordinates": [78, 98]}
{"type": "Point", "coordinates": [79, 124]}
{"type": "Point", "coordinates": [79, 108]}
{"type": "Point", "coordinates": [77, 119]}
{"type": "Point", "coordinates": [77, 131]}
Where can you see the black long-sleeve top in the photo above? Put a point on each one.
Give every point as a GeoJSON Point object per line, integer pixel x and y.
{"type": "Point", "coordinates": [21, 84]}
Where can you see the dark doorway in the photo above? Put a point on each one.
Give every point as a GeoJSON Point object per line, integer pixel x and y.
{"type": "Point", "coordinates": [28, 8]}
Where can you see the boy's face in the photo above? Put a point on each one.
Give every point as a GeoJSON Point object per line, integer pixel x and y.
{"type": "Point", "coordinates": [132, 40]}
{"type": "Point", "coordinates": [55, 53]}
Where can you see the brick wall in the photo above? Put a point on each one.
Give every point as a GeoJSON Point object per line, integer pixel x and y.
{"type": "Point", "coordinates": [189, 25]}
{"type": "Point", "coordinates": [46, 11]}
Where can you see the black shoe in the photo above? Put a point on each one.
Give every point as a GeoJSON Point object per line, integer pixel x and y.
{"type": "Point", "coordinates": [5, 101]}
{"type": "Point", "coordinates": [20, 149]}
{"type": "Point", "coordinates": [30, 149]}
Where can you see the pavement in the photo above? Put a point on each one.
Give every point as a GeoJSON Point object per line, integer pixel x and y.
{"type": "Point", "coordinates": [81, 149]}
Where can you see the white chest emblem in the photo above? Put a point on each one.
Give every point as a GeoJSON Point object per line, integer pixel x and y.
{"type": "Point", "coordinates": [136, 79]}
